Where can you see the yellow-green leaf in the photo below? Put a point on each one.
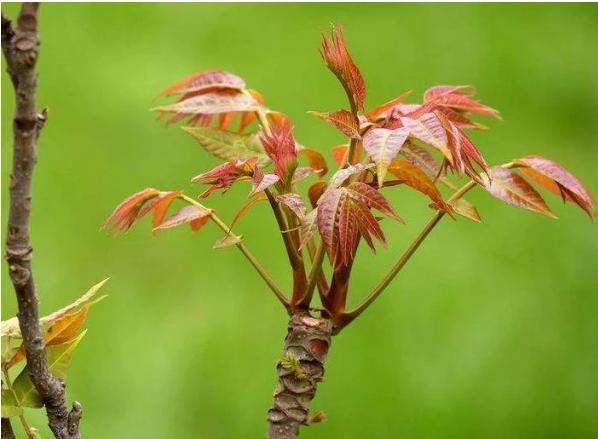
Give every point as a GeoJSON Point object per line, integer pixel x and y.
{"type": "Point", "coordinates": [229, 146]}
{"type": "Point", "coordinates": [59, 357]}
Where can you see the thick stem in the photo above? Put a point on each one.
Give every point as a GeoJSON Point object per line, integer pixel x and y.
{"type": "Point", "coordinates": [20, 47]}
{"type": "Point", "coordinates": [299, 371]}
{"type": "Point", "coordinates": [7, 431]}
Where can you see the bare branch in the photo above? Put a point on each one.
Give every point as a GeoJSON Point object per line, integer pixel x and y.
{"type": "Point", "coordinates": [20, 47]}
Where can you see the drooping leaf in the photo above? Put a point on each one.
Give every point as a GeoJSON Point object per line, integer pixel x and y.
{"type": "Point", "coordinates": [387, 108]}
{"type": "Point", "coordinates": [212, 103]}
{"type": "Point", "coordinates": [58, 357]}
{"type": "Point", "coordinates": [414, 177]}
{"type": "Point", "coordinates": [227, 241]}
{"type": "Point", "coordinates": [421, 158]}
{"type": "Point", "coordinates": [339, 61]}
{"type": "Point", "coordinates": [279, 144]}
{"type": "Point", "coordinates": [338, 154]}
{"type": "Point", "coordinates": [295, 204]}
{"type": "Point", "coordinates": [463, 102]}
{"type": "Point", "coordinates": [372, 199]}
{"type": "Point", "coordinates": [198, 223]}
{"type": "Point", "coordinates": [440, 90]}
{"type": "Point", "coordinates": [315, 191]}
{"type": "Point", "coordinates": [225, 175]}
{"type": "Point", "coordinates": [11, 328]}
{"type": "Point", "coordinates": [466, 209]}
{"type": "Point", "coordinates": [185, 215]}
{"type": "Point", "coordinates": [328, 216]}
{"type": "Point", "coordinates": [316, 161]}
{"type": "Point", "coordinates": [159, 205]}
{"type": "Point", "coordinates": [126, 213]}
{"type": "Point", "coordinates": [511, 188]}
{"type": "Point", "coordinates": [347, 231]}
{"type": "Point", "coordinates": [342, 120]}
{"type": "Point", "coordinates": [383, 145]}
{"type": "Point", "coordinates": [202, 82]}
{"type": "Point", "coordinates": [428, 129]}
{"type": "Point", "coordinates": [229, 146]}
{"type": "Point", "coordinates": [563, 182]}
{"type": "Point", "coordinates": [340, 176]}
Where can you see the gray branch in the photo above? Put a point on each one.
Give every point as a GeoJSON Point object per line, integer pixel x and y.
{"type": "Point", "coordinates": [20, 46]}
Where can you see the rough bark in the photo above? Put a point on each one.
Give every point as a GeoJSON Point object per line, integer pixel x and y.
{"type": "Point", "coordinates": [20, 46]}
{"type": "Point", "coordinates": [7, 431]}
{"type": "Point", "coordinates": [299, 372]}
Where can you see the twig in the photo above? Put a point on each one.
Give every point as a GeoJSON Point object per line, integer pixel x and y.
{"type": "Point", "coordinates": [20, 47]}
{"type": "Point", "coordinates": [250, 257]}
{"type": "Point", "coordinates": [386, 280]}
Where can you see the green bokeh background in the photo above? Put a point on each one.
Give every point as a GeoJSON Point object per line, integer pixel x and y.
{"type": "Point", "coordinates": [490, 332]}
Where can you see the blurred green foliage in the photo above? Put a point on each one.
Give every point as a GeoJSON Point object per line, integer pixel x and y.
{"type": "Point", "coordinates": [490, 331]}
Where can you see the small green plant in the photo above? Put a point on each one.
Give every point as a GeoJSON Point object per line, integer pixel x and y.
{"type": "Point", "coordinates": [420, 146]}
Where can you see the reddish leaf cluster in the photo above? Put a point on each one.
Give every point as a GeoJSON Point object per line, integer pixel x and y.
{"type": "Point", "coordinates": [339, 61]}
{"type": "Point", "coordinates": [279, 144]}
{"type": "Point", "coordinates": [149, 200]}
{"type": "Point", "coordinates": [393, 144]}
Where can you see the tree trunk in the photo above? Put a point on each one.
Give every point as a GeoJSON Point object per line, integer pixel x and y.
{"type": "Point", "coordinates": [299, 372]}
{"type": "Point", "coordinates": [7, 432]}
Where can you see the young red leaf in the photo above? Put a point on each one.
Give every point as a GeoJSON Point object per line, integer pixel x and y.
{"type": "Point", "coordinates": [568, 185]}
{"type": "Point", "coordinates": [440, 90]}
{"type": "Point", "coordinates": [159, 205]}
{"type": "Point", "coordinates": [198, 223]}
{"type": "Point", "coordinates": [463, 102]}
{"type": "Point", "coordinates": [328, 215]}
{"type": "Point", "coordinates": [511, 188]}
{"type": "Point", "coordinates": [387, 108]}
{"type": "Point", "coordinates": [316, 160]}
{"type": "Point", "coordinates": [420, 158]}
{"type": "Point", "coordinates": [126, 213]}
{"type": "Point", "coordinates": [262, 181]}
{"type": "Point", "coordinates": [414, 177]}
{"type": "Point", "coordinates": [185, 215]}
{"type": "Point", "coordinates": [280, 147]}
{"type": "Point", "coordinates": [315, 191]}
{"type": "Point", "coordinates": [428, 129]}
{"type": "Point", "coordinates": [372, 199]}
{"type": "Point", "coordinates": [347, 232]}
{"type": "Point", "coordinates": [294, 203]}
{"type": "Point", "coordinates": [383, 145]}
{"type": "Point", "coordinates": [340, 176]}
{"type": "Point", "coordinates": [202, 82]}
{"type": "Point", "coordinates": [368, 225]}
{"type": "Point", "coordinates": [302, 172]}
{"type": "Point", "coordinates": [224, 175]}
{"type": "Point", "coordinates": [338, 154]}
{"type": "Point", "coordinates": [212, 103]}
{"type": "Point", "coordinates": [309, 227]}
{"type": "Point", "coordinates": [339, 61]}
{"type": "Point", "coordinates": [342, 120]}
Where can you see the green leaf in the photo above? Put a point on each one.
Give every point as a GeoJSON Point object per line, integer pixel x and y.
{"type": "Point", "coordinates": [227, 241]}
{"type": "Point", "coordinates": [9, 405]}
{"type": "Point", "coordinates": [229, 146]}
{"type": "Point", "coordinates": [59, 357]}
{"type": "Point", "coordinates": [466, 209]}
